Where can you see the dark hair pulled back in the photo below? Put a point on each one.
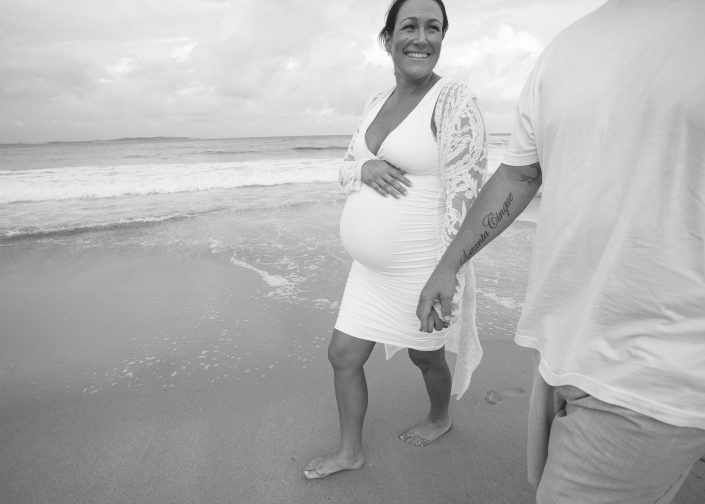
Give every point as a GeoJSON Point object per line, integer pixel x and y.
{"type": "Point", "coordinates": [393, 13]}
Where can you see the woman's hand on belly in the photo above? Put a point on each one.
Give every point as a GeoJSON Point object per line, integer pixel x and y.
{"type": "Point", "coordinates": [384, 178]}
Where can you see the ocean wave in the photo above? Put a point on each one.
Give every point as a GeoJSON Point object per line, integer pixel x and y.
{"type": "Point", "coordinates": [156, 139]}
{"type": "Point", "coordinates": [274, 281]}
{"type": "Point", "coordinates": [226, 152]}
{"type": "Point", "coordinates": [65, 223]}
{"type": "Point", "coordinates": [327, 147]}
{"type": "Point", "coordinates": [10, 235]}
{"type": "Point", "coordinates": [96, 182]}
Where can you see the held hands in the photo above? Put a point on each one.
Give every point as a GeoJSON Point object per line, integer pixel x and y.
{"type": "Point", "coordinates": [438, 290]}
{"type": "Point", "coordinates": [384, 178]}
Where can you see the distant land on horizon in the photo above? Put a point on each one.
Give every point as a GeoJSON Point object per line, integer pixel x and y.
{"type": "Point", "coordinates": [157, 139]}
{"type": "Point", "coordinates": [178, 138]}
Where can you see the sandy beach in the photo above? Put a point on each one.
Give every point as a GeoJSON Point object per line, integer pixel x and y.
{"type": "Point", "coordinates": [170, 374]}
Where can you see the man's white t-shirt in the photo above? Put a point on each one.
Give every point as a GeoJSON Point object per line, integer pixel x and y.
{"type": "Point", "coordinates": [614, 111]}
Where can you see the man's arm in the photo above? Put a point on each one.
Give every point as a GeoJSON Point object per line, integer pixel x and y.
{"type": "Point", "coordinates": [505, 195]}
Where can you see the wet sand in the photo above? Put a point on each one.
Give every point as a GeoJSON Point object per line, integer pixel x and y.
{"type": "Point", "coordinates": [173, 377]}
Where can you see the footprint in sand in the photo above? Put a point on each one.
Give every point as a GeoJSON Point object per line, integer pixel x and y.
{"type": "Point", "coordinates": [495, 396]}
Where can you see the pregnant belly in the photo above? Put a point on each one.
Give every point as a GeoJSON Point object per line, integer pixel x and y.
{"type": "Point", "coordinates": [387, 232]}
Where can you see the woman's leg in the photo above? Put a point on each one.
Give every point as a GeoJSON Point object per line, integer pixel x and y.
{"type": "Point", "coordinates": [347, 355]}
{"type": "Point", "coordinates": [437, 378]}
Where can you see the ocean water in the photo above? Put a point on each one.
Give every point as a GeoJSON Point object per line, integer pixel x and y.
{"type": "Point", "coordinates": [271, 205]}
{"type": "Point", "coordinates": [56, 188]}
{"type": "Point", "coordinates": [67, 187]}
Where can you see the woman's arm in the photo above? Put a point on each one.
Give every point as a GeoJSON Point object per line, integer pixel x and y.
{"type": "Point", "coordinates": [349, 172]}
{"type": "Point", "coordinates": [379, 175]}
{"type": "Point", "coordinates": [463, 144]}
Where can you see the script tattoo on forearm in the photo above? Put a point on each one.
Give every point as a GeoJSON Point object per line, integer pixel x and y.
{"type": "Point", "coordinates": [467, 254]}
{"type": "Point", "coordinates": [490, 221]}
{"type": "Point", "coordinates": [535, 179]}
{"type": "Point", "coordinates": [493, 219]}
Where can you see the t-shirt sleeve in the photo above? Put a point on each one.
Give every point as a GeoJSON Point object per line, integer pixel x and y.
{"type": "Point", "coordinates": [521, 148]}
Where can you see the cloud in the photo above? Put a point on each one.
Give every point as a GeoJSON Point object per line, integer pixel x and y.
{"type": "Point", "coordinates": [495, 66]}
{"type": "Point", "coordinates": [121, 66]}
{"type": "Point", "coordinates": [182, 54]}
{"type": "Point", "coordinates": [77, 69]}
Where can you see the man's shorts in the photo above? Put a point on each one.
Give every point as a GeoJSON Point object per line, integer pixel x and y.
{"type": "Point", "coordinates": [582, 450]}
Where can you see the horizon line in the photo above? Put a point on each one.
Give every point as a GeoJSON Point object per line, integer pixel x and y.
{"type": "Point", "coordinates": [184, 138]}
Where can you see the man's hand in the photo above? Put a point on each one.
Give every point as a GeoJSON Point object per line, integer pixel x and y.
{"type": "Point", "coordinates": [438, 290]}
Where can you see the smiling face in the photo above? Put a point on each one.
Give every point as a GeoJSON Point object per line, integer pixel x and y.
{"type": "Point", "coordinates": [415, 43]}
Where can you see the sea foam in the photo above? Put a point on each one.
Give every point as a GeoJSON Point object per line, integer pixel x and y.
{"type": "Point", "coordinates": [95, 182]}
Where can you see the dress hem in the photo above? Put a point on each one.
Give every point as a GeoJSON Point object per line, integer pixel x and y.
{"type": "Point", "coordinates": [398, 344]}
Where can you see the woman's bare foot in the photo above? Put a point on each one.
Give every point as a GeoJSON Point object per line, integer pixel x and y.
{"type": "Point", "coordinates": [331, 464]}
{"type": "Point", "coordinates": [426, 432]}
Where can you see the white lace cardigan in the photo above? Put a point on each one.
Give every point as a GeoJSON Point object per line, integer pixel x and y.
{"type": "Point", "coordinates": [462, 150]}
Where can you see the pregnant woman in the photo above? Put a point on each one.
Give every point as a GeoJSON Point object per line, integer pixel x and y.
{"type": "Point", "coordinates": [413, 168]}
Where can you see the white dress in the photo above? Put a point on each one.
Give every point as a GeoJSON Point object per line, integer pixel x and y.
{"type": "Point", "coordinates": [394, 242]}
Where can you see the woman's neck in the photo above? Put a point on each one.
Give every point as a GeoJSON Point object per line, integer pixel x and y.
{"type": "Point", "coordinates": [406, 88]}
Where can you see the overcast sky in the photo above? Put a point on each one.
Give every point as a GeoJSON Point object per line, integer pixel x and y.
{"type": "Point", "coordinates": [97, 69]}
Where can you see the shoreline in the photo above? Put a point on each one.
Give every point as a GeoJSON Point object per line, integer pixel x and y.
{"type": "Point", "coordinates": [138, 388]}
{"type": "Point", "coordinates": [169, 374]}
